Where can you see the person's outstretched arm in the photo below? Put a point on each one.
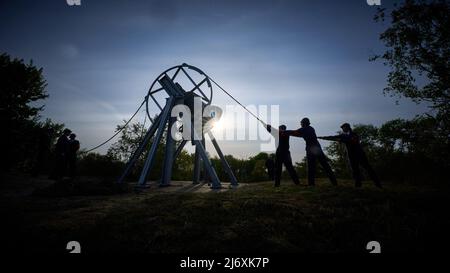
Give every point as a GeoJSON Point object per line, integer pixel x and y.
{"type": "Point", "coordinates": [331, 138]}
{"type": "Point", "coordinates": [294, 133]}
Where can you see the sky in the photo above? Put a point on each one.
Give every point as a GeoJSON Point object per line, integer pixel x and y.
{"type": "Point", "coordinates": [309, 57]}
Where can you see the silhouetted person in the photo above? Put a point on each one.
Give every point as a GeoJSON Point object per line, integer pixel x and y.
{"type": "Point", "coordinates": [270, 166]}
{"type": "Point", "coordinates": [283, 155]}
{"type": "Point", "coordinates": [61, 149]}
{"type": "Point", "coordinates": [73, 147]}
{"type": "Point", "coordinates": [356, 154]}
{"type": "Point", "coordinates": [313, 152]}
{"type": "Point", "coordinates": [44, 143]}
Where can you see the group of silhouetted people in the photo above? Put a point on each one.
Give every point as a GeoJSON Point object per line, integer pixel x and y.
{"type": "Point", "coordinates": [314, 153]}
{"type": "Point", "coordinates": [66, 149]}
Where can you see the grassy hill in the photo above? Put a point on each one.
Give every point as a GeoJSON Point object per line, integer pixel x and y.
{"type": "Point", "coordinates": [252, 218]}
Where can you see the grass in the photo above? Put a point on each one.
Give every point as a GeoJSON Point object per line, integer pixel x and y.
{"type": "Point", "coordinates": [255, 218]}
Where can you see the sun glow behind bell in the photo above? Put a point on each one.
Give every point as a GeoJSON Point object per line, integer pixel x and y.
{"type": "Point", "coordinates": [219, 126]}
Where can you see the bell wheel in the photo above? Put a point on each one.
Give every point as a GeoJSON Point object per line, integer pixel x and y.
{"type": "Point", "coordinates": [190, 78]}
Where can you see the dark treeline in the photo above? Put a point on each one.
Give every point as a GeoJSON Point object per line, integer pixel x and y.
{"type": "Point", "coordinates": [400, 150]}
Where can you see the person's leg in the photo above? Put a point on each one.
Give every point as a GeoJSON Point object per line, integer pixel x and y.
{"type": "Point", "coordinates": [366, 165]}
{"type": "Point", "coordinates": [72, 166]}
{"type": "Point", "coordinates": [311, 159]}
{"type": "Point", "coordinates": [354, 163]}
{"type": "Point", "coordinates": [278, 169]}
{"type": "Point", "coordinates": [65, 167]}
{"type": "Point", "coordinates": [290, 168]}
{"type": "Point", "coordinates": [59, 167]}
{"type": "Point", "coordinates": [271, 171]}
{"type": "Point", "coordinates": [327, 168]}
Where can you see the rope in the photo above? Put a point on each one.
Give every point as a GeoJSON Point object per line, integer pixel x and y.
{"type": "Point", "coordinates": [118, 132]}
{"type": "Point", "coordinates": [233, 98]}
{"type": "Point", "coordinates": [146, 98]}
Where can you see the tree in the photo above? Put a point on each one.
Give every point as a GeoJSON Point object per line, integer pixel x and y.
{"type": "Point", "coordinates": [259, 172]}
{"type": "Point", "coordinates": [418, 53]}
{"type": "Point", "coordinates": [418, 136]}
{"type": "Point", "coordinates": [21, 86]}
{"type": "Point", "coordinates": [129, 140]}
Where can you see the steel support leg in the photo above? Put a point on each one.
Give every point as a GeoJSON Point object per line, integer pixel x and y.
{"type": "Point", "coordinates": [151, 155]}
{"type": "Point", "coordinates": [197, 164]}
{"type": "Point", "coordinates": [168, 156]}
{"type": "Point", "coordinates": [205, 173]}
{"type": "Point", "coordinates": [225, 164]}
{"type": "Point", "coordinates": [139, 150]}
{"type": "Point", "coordinates": [208, 166]}
{"type": "Point", "coordinates": [179, 149]}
